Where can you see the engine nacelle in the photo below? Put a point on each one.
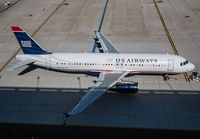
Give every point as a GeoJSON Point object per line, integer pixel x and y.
{"type": "Point", "coordinates": [126, 87]}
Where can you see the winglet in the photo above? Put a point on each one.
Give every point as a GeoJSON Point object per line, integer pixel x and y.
{"type": "Point", "coordinates": [16, 28]}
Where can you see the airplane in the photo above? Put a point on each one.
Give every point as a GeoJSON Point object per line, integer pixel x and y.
{"type": "Point", "coordinates": [109, 65]}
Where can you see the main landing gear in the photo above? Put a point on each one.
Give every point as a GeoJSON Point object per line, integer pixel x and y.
{"type": "Point", "coordinates": [165, 77]}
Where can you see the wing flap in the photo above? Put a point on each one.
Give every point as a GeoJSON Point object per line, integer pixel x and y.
{"type": "Point", "coordinates": [105, 81]}
{"type": "Point", "coordinates": [21, 63]}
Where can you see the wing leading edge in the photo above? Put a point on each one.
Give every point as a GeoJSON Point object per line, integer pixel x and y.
{"type": "Point", "coordinates": [104, 45]}
{"type": "Point", "coordinates": [105, 81]}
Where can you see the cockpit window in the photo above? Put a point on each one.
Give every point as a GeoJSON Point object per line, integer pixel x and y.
{"type": "Point", "coordinates": [183, 63]}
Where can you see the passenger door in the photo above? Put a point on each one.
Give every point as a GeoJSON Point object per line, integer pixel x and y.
{"type": "Point", "coordinates": [170, 65]}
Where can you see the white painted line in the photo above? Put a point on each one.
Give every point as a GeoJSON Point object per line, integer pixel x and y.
{"type": "Point", "coordinates": [168, 93]}
{"type": "Point", "coordinates": [188, 93]}
{"type": "Point", "coordinates": [144, 92]}
{"type": "Point", "coordinates": [69, 90]}
{"type": "Point", "coordinates": [27, 89]}
{"type": "Point", "coordinates": [64, 90]}
{"type": "Point", "coordinates": [7, 89]}
{"type": "Point", "coordinates": [50, 90]}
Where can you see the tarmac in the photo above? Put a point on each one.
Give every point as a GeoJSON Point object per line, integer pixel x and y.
{"type": "Point", "coordinates": [148, 109]}
{"type": "Point", "coordinates": [133, 26]}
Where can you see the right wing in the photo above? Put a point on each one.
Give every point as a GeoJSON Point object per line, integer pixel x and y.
{"type": "Point", "coordinates": [104, 45]}
{"type": "Point", "coordinates": [21, 63]}
{"type": "Point", "coordinates": [105, 81]}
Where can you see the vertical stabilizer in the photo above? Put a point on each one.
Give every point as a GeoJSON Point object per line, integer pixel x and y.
{"type": "Point", "coordinates": [27, 44]}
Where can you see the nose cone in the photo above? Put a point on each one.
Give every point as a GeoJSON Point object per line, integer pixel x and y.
{"type": "Point", "coordinates": [191, 66]}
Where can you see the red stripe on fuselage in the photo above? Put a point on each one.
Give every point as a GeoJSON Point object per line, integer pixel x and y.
{"type": "Point", "coordinates": [87, 70]}
{"type": "Point", "coordinates": [151, 72]}
{"type": "Point", "coordinates": [115, 70]}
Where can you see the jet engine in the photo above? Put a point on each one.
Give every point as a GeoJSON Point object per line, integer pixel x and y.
{"type": "Point", "coordinates": [126, 87]}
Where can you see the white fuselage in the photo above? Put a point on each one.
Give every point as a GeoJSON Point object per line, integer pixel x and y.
{"type": "Point", "coordinates": [112, 62]}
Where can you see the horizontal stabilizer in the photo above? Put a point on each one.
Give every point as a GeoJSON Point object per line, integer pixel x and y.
{"type": "Point", "coordinates": [21, 63]}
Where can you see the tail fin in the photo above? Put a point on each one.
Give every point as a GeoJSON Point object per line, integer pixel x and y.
{"type": "Point", "coordinates": [27, 44]}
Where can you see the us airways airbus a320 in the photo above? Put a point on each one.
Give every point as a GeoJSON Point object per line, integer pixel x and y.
{"type": "Point", "coordinates": [110, 65]}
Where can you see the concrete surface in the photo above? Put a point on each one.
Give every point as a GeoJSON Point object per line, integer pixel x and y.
{"type": "Point", "coordinates": [147, 109]}
{"type": "Point", "coordinates": [5, 4]}
{"type": "Point", "coordinates": [133, 26]}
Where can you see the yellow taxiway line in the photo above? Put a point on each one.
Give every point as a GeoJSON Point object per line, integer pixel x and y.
{"type": "Point", "coordinates": [169, 37]}
{"type": "Point", "coordinates": [2, 68]}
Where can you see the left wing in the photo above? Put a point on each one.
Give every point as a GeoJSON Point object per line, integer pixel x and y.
{"type": "Point", "coordinates": [105, 81]}
{"type": "Point", "coordinates": [104, 45]}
